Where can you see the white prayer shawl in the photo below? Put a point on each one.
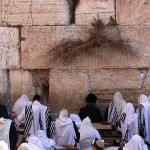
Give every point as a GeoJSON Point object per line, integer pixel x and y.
{"type": "Point", "coordinates": [24, 146]}
{"type": "Point", "coordinates": [143, 99]}
{"type": "Point", "coordinates": [37, 109]}
{"type": "Point", "coordinates": [111, 113]}
{"type": "Point", "coordinates": [136, 143]}
{"type": "Point", "coordinates": [119, 103]}
{"type": "Point", "coordinates": [130, 124]}
{"type": "Point", "coordinates": [43, 117]}
{"type": "Point", "coordinates": [65, 133]}
{"type": "Point", "coordinates": [146, 113]}
{"type": "Point", "coordinates": [47, 143]}
{"type": "Point", "coordinates": [87, 134]}
{"type": "Point", "coordinates": [33, 140]}
{"type": "Point", "coordinates": [20, 104]}
{"type": "Point", "coordinates": [4, 130]}
{"type": "Point", "coordinates": [3, 145]}
{"type": "Point", "coordinates": [76, 119]}
{"type": "Point", "coordinates": [149, 98]}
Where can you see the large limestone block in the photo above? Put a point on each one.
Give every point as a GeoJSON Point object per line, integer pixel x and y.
{"type": "Point", "coordinates": [37, 53]}
{"type": "Point", "coordinates": [21, 83]}
{"type": "Point", "coordinates": [68, 89]}
{"type": "Point", "coordinates": [16, 12]}
{"type": "Point", "coordinates": [105, 82]}
{"type": "Point", "coordinates": [133, 11]}
{"type": "Point", "coordinates": [35, 12]}
{"type": "Point", "coordinates": [3, 87]}
{"type": "Point", "coordinates": [50, 12]}
{"type": "Point", "coordinates": [87, 10]}
{"type": "Point", "coordinates": [9, 48]}
{"type": "Point", "coordinates": [136, 55]}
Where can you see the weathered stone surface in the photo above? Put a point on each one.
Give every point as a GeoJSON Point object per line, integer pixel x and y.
{"type": "Point", "coordinates": [9, 48]}
{"type": "Point", "coordinates": [50, 12]}
{"type": "Point", "coordinates": [86, 11]}
{"type": "Point", "coordinates": [104, 83]}
{"type": "Point", "coordinates": [0, 14]}
{"type": "Point", "coordinates": [68, 89]}
{"type": "Point", "coordinates": [37, 53]}
{"type": "Point", "coordinates": [39, 42]}
{"type": "Point", "coordinates": [16, 12]}
{"type": "Point", "coordinates": [136, 56]}
{"type": "Point", "coordinates": [21, 83]}
{"type": "Point", "coordinates": [133, 11]}
{"type": "Point", "coordinates": [35, 12]}
{"type": "Point", "coordinates": [3, 87]}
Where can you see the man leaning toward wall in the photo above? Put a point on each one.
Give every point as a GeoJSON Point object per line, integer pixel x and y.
{"type": "Point", "coordinates": [32, 116]}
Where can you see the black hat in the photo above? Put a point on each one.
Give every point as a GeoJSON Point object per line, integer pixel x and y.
{"type": "Point", "coordinates": [91, 98]}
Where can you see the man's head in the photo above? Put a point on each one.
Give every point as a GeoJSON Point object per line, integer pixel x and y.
{"type": "Point", "coordinates": [91, 98]}
{"type": "Point", "coordinates": [36, 97]}
{"type": "Point", "coordinates": [3, 111]}
{"type": "Point", "coordinates": [97, 144]}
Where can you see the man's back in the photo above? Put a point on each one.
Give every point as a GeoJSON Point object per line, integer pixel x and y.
{"type": "Point", "coordinates": [92, 111]}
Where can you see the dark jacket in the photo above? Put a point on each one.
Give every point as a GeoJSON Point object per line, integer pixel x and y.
{"type": "Point", "coordinates": [92, 111]}
{"type": "Point", "coordinates": [13, 136]}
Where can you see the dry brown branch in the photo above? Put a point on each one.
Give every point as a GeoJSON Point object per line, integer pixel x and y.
{"type": "Point", "coordinates": [97, 36]}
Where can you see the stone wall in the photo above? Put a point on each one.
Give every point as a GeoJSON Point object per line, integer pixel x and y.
{"type": "Point", "coordinates": [31, 29]}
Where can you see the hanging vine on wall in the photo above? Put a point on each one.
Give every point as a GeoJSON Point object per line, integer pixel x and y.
{"type": "Point", "coordinates": [68, 49]}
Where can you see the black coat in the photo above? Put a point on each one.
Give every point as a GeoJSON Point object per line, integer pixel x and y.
{"type": "Point", "coordinates": [92, 111]}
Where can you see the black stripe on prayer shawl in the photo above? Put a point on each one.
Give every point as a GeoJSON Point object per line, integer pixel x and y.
{"type": "Point", "coordinates": [52, 130]}
{"type": "Point", "coordinates": [126, 137]}
{"type": "Point", "coordinates": [47, 114]}
{"type": "Point", "coordinates": [115, 116]}
{"type": "Point", "coordinates": [123, 117]}
{"type": "Point", "coordinates": [111, 108]}
{"type": "Point", "coordinates": [28, 120]}
{"type": "Point", "coordinates": [40, 122]}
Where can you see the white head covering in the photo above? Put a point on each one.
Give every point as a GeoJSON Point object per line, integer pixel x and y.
{"type": "Point", "coordinates": [136, 143]}
{"type": "Point", "coordinates": [3, 145]}
{"type": "Point", "coordinates": [24, 146]}
{"type": "Point", "coordinates": [47, 143]}
{"type": "Point", "coordinates": [34, 141]}
{"type": "Point", "coordinates": [76, 119]}
{"type": "Point", "coordinates": [119, 102]}
{"type": "Point", "coordinates": [87, 130]}
{"type": "Point", "coordinates": [149, 98]}
{"type": "Point", "coordinates": [65, 133]}
{"type": "Point", "coordinates": [130, 113]}
{"type": "Point", "coordinates": [143, 99]}
{"type": "Point", "coordinates": [130, 123]}
{"type": "Point", "coordinates": [20, 104]}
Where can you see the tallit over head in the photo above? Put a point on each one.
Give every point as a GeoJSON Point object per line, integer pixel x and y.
{"type": "Point", "coordinates": [76, 119]}
{"type": "Point", "coordinates": [20, 104]}
{"type": "Point", "coordinates": [130, 113]}
{"type": "Point", "coordinates": [143, 99]}
{"type": "Point", "coordinates": [87, 130]}
{"type": "Point", "coordinates": [24, 146]}
{"type": "Point", "coordinates": [34, 141]}
{"type": "Point", "coordinates": [119, 102]}
{"type": "Point", "coordinates": [136, 143]}
{"type": "Point", "coordinates": [3, 145]}
{"type": "Point", "coordinates": [149, 98]}
{"type": "Point", "coordinates": [65, 133]}
{"type": "Point", "coordinates": [47, 143]}
{"type": "Point", "coordinates": [63, 117]}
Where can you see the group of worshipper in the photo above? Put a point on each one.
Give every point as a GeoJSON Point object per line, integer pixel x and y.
{"type": "Point", "coordinates": [128, 121]}
{"type": "Point", "coordinates": [41, 131]}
